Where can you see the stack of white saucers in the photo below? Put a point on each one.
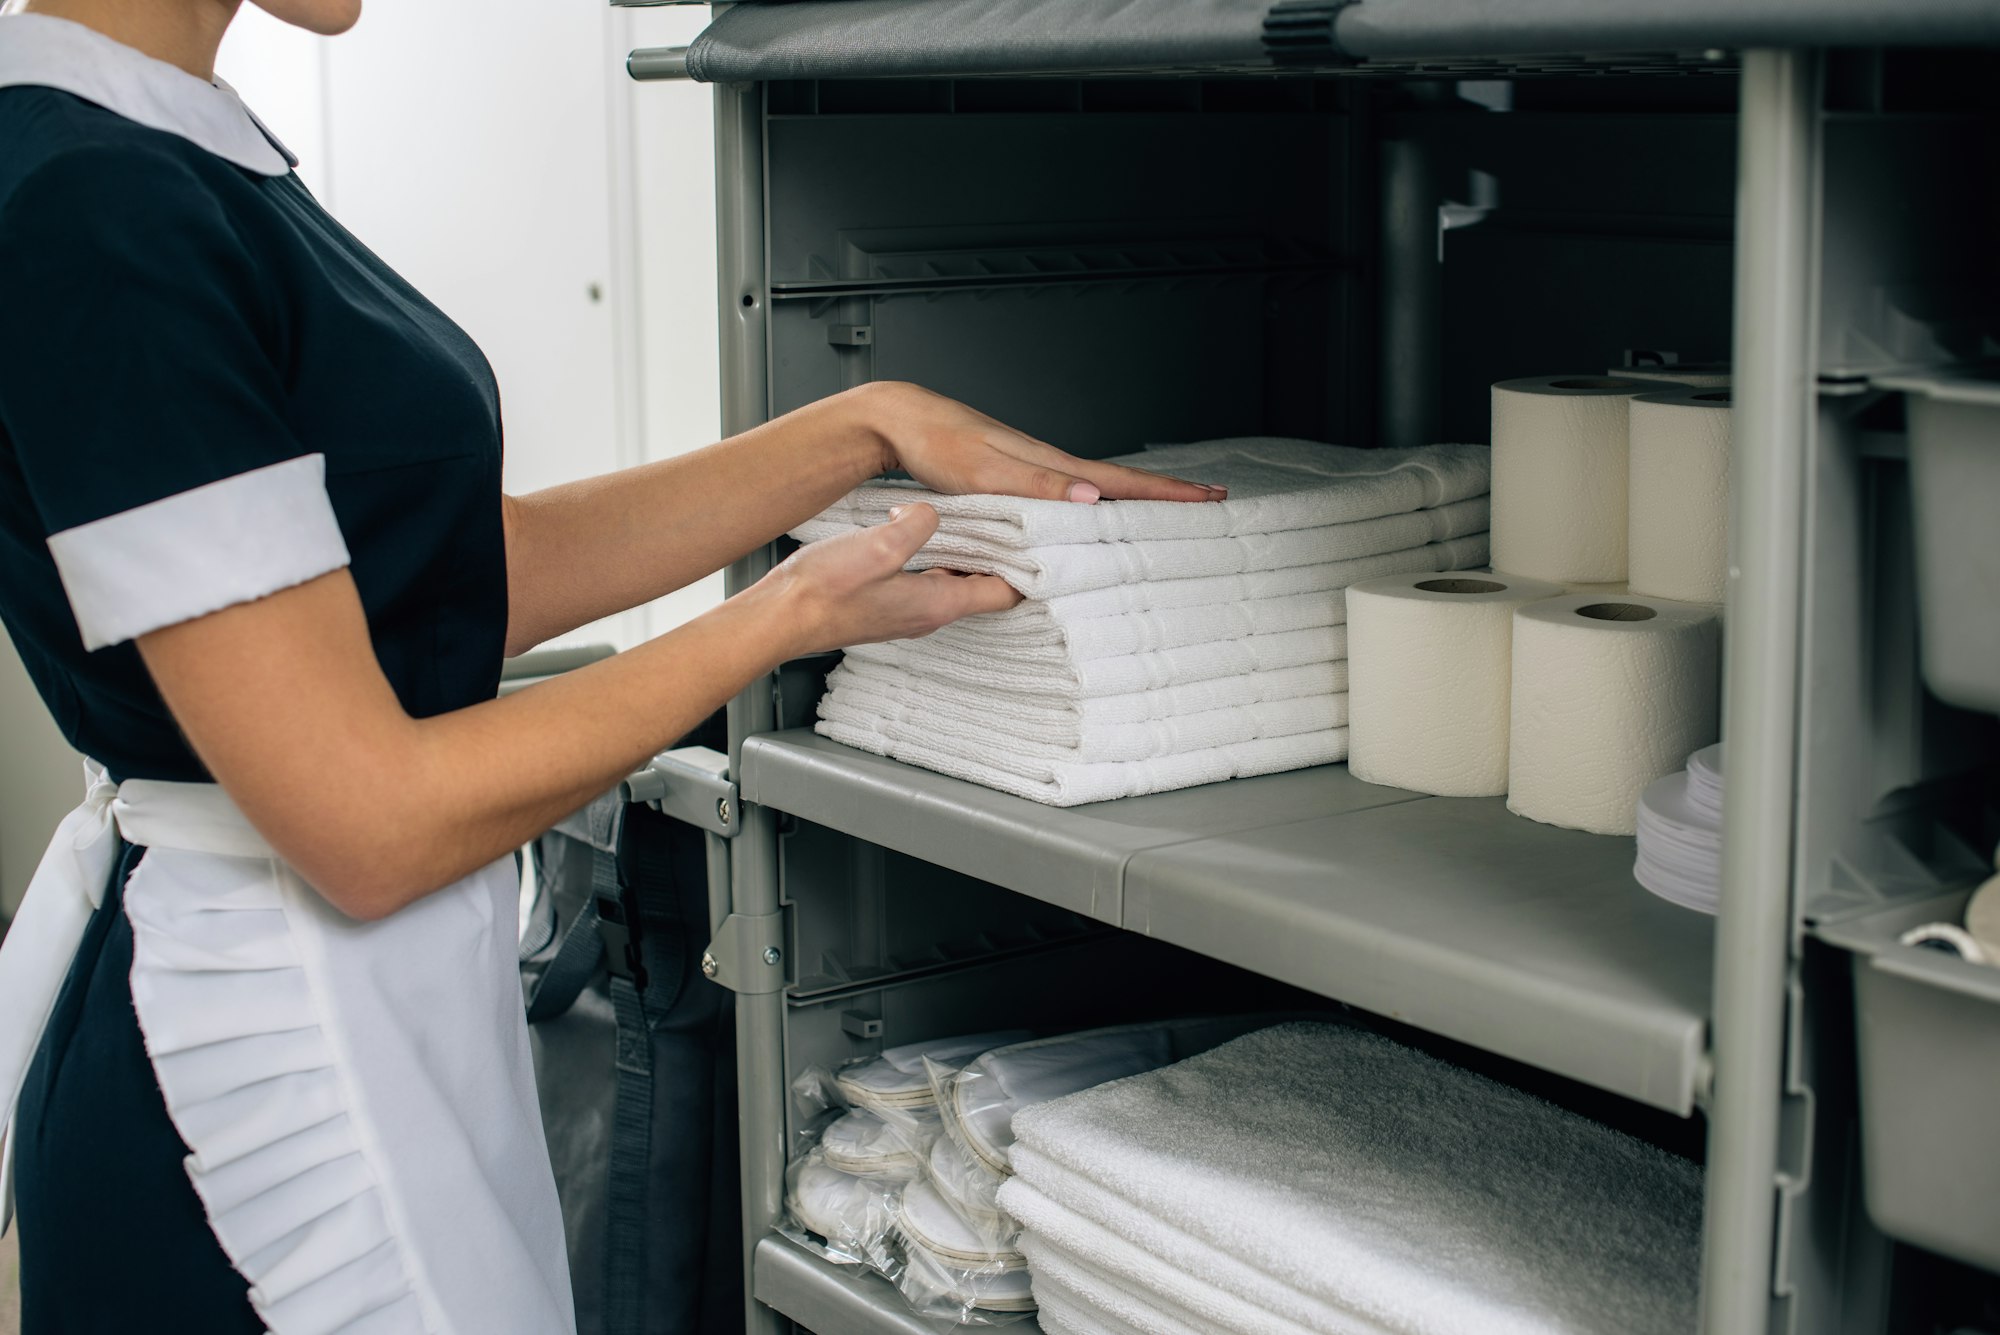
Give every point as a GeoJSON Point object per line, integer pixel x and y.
{"type": "Point", "coordinates": [1680, 834]}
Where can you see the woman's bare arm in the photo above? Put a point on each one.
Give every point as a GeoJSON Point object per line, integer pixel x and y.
{"type": "Point", "coordinates": [285, 703]}
{"type": "Point", "coordinates": [587, 549]}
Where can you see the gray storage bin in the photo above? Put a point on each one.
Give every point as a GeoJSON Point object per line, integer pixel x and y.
{"type": "Point", "coordinates": [1927, 1034]}
{"type": "Point", "coordinates": [1955, 490]}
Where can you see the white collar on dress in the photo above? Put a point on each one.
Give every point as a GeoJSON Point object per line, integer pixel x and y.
{"type": "Point", "coordinates": [56, 53]}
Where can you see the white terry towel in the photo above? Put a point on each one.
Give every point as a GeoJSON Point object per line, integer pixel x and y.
{"type": "Point", "coordinates": [1051, 572]}
{"type": "Point", "coordinates": [1369, 1178]}
{"type": "Point", "coordinates": [1082, 1261]}
{"type": "Point", "coordinates": [1069, 785]}
{"type": "Point", "coordinates": [1032, 627]}
{"type": "Point", "coordinates": [908, 719]}
{"type": "Point", "coordinates": [1046, 670]}
{"type": "Point", "coordinates": [1224, 1293]}
{"type": "Point", "coordinates": [1274, 486]}
{"type": "Point", "coordinates": [1089, 1302]}
{"type": "Point", "coordinates": [1058, 1316]}
{"type": "Point", "coordinates": [1056, 717]}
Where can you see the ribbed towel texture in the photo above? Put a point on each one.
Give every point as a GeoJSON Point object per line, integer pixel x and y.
{"type": "Point", "coordinates": [1161, 645]}
{"type": "Point", "coordinates": [1314, 1177]}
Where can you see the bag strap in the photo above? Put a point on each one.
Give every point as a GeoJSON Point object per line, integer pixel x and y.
{"type": "Point", "coordinates": [630, 924]}
{"type": "Point", "coordinates": [599, 827]}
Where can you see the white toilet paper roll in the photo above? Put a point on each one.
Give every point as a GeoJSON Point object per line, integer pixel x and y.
{"type": "Point", "coordinates": [1982, 916]}
{"type": "Point", "coordinates": [1429, 661]}
{"type": "Point", "coordinates": [1703, 374]}
{"type": "Point", "coordinates": [1559, 487]}
{"type": "Point", "coordinates": [1608, 696]}
{"type": "Point", "coordinates": [1678, 521]}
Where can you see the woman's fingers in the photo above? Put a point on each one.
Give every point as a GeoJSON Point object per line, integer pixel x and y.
{"type": "Point", "coordinates": [961, 595]}
{"type": "Point", "coordinates": [1005, 474]}
{"type": "Point", "coordinates": [1117, 482]}
{"type": "Point", "coordinates": [1113, 481]}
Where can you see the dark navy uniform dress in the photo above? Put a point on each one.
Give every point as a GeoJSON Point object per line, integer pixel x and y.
{"type": "Point", "coordinates": [210, 392]}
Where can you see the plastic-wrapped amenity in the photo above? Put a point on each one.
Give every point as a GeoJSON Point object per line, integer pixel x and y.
{"type": "Point", "coordinates": [978, 1104]}
{"type": "Point", "coordinates": [897, 1080]}
{"type": "Point", "coordinates": [953, 1265]}
{"type": "Point", "coordinates": [966, 1182]}
{"type": "Point", "coordinates": [883, 1150]}
{"type": "Point", "coordinates": [845, 1219]}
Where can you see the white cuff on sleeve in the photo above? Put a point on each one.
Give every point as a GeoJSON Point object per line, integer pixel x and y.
{"type": "Point", "coordinates": [199, 551]}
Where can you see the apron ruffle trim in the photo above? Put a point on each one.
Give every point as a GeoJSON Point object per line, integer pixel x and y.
{"type": "Point", "coordinates": [252, 1085]}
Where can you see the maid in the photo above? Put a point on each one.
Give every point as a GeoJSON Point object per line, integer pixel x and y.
{"type": "Point", "coordinates": [260, 1008]}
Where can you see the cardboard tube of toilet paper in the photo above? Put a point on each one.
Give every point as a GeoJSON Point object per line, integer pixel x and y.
{"type": "Point", "coordinates": [1607, 697]}
{"type": "Point", "coordinates": [1677, 527]}
{"type": "Point", "coordinates": [1429, 661]}
{"type": "Point", "coordinates": [1706, 375]}
{"type": "Point", "coordinates": [1559, 485]}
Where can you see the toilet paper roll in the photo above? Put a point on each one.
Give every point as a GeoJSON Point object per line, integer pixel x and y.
{"type": "Point", "coordinates": [1559, 486]}
{"type": "Point", "coordinates": [1982, 914]}
{"type": "Point", "coordinates": [1608, 696]}
{"type": "Point", "coordinates": [1429, 662]}
{"type": "Point", "coordinates": [1703, 374]}
{"type": "Point", "coordinates": [1677, 532]}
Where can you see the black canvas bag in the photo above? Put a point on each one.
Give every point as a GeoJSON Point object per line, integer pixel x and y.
{"type": "Point", "coordinates": [634, 1056]}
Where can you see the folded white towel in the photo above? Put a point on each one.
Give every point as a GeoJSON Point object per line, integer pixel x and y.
{"type": "Point", "coordinates": [1074, 784]}
{"type": "Point", "coordinates": [1051, 572]}
{"type": "Point", "coordinates": [1089, 1301]}
{"type": "Point", "coordinates": [1224, 1292]}
{"type": "Point", "coordinates": [1045, 670]}
{"type": "Point", "coordinates": [1163, 595]}
{"type": "Point", "coordinates": [1371, 1179]}
{"type": "Point", "coordinates": [1085, 1262]}
{"type": "Point", "coordinates": [1033, 628]}
{"type": "Point", "coordinates": [1054, 716]}
{"type": "Point", "coordinates": [1274, 485]}
{"type": "Point", "coordinates": [905, 718]}
{"type": "Point", "coordinates": [1060, 1316]}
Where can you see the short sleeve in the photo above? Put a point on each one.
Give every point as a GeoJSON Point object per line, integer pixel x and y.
{"type": "Point", "coordinates": [141, 394]}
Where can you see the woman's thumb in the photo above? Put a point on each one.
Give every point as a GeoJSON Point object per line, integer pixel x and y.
{"type": "Point", "coordinates": [909, 528]}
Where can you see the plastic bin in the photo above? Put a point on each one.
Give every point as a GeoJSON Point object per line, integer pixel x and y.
{"type": "Point", "coordinates": [1954, 422]}
{"type": "Point", "coordinates": [1927, 1033]}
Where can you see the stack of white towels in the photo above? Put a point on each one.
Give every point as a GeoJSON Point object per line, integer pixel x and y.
{"type": "Point", "coordinates": [1160, 645]}
{"type": "Point", "coordinates": [1313, 1178]}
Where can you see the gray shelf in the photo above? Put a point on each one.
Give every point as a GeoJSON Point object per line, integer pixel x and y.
{"type": "Point", "coordinates": [840, 1300]}
{"type": "Point", "coordinates": [1453, 915]}
{"type": "Point", "coordinates": [1074, 857]}
{"type": "Point", "coordinates": [1449, 914]}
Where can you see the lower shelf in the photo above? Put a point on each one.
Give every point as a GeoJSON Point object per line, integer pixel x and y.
{"type": "Point", "coordinates": [830, 1299]}
{"type": "Point", "coordinates": [1449, 914]}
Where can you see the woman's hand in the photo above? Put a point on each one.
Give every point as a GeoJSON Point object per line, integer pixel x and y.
{"type": "Point", "coordinates": [952, 449]}
{"type": "Point", "coordinates": [853, 589]}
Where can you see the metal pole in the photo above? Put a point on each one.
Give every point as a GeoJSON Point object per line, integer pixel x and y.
{"type": "Point", "coordinates": [1777, 264]}
{"type": "Point", "coordinates": [742, 291]}
{"type": "Point", "coordinates": [1410, 297]}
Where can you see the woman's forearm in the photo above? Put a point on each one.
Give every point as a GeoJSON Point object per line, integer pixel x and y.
{"type": "Point", "coordinates": [284, 703]}
{"type": "Point", "coordinates": [589, 549]}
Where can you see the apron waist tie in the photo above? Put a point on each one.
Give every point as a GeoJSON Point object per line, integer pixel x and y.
{"type": "Point", "coordinates": [67, 888]}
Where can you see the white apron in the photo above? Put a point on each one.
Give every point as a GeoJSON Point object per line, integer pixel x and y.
{"type": "Point", "coordinates": [358, 1097]}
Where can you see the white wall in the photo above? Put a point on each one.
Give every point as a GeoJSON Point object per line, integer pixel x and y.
{"type": "Point", "coordinates": [495, 152]}
{"type": "Point", "coordinates": [40, 778]}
